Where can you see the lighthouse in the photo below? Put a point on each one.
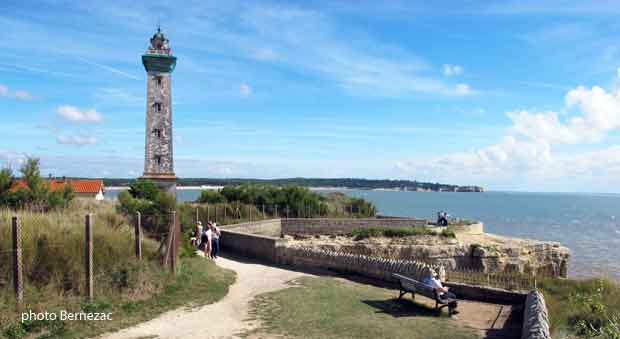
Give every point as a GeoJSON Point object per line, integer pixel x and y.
{"type": "Point", "coordinates": [159, 64]}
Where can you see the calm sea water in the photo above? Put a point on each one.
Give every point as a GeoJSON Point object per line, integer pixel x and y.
{"type": "Point", "coordinates": [588, 224]}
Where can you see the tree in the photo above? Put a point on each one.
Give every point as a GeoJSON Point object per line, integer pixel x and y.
{"type": "Point", "coordinates": [6, 181]}
{"type": "Point", "coordinates": [31, 174]}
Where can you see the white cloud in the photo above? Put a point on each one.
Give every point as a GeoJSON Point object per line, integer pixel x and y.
{"type": "Point", "coordinates": [18, 94]}
{"type": "Point", "coordinates": [73, 114]}
{"type": "Point", "coordinates": [450, 70]}
{"type": "Point", "coordinates": [531, 151]}
{"type": "Point", "coordinates": [76, 140]}
{"type": "Point", "coordinates": [245, 90]}
{"type": "Point", "coordinates": [463, 89]}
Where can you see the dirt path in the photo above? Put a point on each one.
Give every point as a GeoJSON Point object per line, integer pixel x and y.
{"type": "Point", "coordinates": [229, 317]}
{"type": "Point", "coordinates": [226, 318]}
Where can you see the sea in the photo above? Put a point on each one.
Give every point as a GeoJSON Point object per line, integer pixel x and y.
{"type": "Point", "coordinates": [587, 223]}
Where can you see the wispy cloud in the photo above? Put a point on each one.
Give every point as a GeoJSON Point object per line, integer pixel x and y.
{"type": "Point", "coordinates": [72, 113]}
{"type": "Point", "coordinates": [79, 140]}
{"type": "Point", "coordinates": [451, 70]}
{"type": "Point", "coordinates": [109, 68]}
{"type": "Point", "coordinates": [17, 94]}
{"type": "Point", "coordinates": [245, 90]}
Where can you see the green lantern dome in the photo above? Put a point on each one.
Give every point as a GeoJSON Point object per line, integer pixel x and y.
{"type": "Point", "coordinates": [158, 57]}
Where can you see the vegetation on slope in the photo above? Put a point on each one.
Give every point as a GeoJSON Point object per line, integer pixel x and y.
{"type": "Point", "coordinates": [132, 290]}
{"type": "Point", "coordinates": [588, 309]}
{"type": "Point", "coordinates": [295, 200]}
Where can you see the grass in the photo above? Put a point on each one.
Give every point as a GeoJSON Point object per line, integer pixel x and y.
{"type": "Point", "coordinates": [134, 291]}
{"type": "Point", "coordinates": [330, 308]}
{"type": "Point", "coordinates": [199, 282]}
{"type": "Point", "coordinates": [364, 233]}
{"type": "Point", "coordinates": [571, 301]}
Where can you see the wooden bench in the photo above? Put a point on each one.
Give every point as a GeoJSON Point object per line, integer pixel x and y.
{"type": "Point", "coordinates": [410, 285]}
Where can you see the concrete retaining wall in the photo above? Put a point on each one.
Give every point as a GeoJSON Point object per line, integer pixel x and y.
{"type": "Point", "coordinates": [535, 317]}
{"type": "Point", "coordinates": [249, 245]}
{"type": "Point", "coordinates": [329, 226]}
{"type": "Point", "coordinates": [487, 294]}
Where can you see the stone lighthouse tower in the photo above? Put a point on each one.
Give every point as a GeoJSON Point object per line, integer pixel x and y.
{"type": "Point", "coordinates": [159, 63]}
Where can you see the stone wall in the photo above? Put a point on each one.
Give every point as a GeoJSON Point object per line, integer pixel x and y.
{"type": "Point", "coordinates": [535, 317]}
{"type": "Point", "coordinates": [250, 245]}
{"type": "Point", "coordinates": [270, 227]}
{"type": "Point", "coordinates": [329, 226]}
{"type": "Point", "coordinates": [372, 267]}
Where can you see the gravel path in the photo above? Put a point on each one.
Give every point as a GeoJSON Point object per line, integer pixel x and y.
{"type": "Point", "coordinates": [226, 318]}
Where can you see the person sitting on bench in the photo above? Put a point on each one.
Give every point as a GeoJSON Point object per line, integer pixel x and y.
{"type": "Point", "coordinates": [432, 280]}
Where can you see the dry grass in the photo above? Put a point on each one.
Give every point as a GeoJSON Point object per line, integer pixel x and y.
{"type": "Point", "coordinates": [53, 260]}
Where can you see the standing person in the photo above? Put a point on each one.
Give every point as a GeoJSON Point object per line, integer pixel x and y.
{"type": "Point", "coordinates": [215, 242]}
{"type": "Point", "coordinates": [206, 241]}
{"type": "Point", "coordinates": [195, 239]}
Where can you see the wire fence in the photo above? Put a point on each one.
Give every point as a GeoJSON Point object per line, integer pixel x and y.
{"type": "Point", "coordinates": [225, 213]}
{"type": "Point", "coordinates": [46, 248]}
{"type": "Point", "coordinates": [508, 281]}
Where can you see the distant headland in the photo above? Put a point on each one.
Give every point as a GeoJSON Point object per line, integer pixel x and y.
{"type": "Point", "coordinates": [350, 183]}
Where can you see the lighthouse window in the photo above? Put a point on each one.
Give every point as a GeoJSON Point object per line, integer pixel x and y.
{"type": "Point", "coordinates": [158, 159]}
{"type": "Point", "coordinates": [158, 107]}
{"type": "Point", "coordinates": [158, 81]}
{"type": "Point", "coordinates": [157, 132]}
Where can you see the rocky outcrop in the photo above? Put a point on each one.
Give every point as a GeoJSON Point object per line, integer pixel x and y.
{"type": "Point", "coordinates": [488, 254]}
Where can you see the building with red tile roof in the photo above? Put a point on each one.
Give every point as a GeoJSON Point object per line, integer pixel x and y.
{"type": "Point", "coordinates": [83, 188]}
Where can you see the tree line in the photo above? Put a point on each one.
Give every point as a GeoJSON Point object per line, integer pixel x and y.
{"type": "Point", "coordinates": [317, 182]}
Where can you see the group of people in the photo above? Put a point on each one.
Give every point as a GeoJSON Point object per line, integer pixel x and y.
{"type": "Point", "coordinates": [207, 240]}
{"type": "Point", "coordinates": [442, 218]}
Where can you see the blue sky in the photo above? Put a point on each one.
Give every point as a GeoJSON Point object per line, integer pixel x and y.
{"type": "Point", "coordinates": [516, 95]}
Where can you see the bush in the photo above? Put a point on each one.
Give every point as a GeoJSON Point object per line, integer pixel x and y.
{"type": "Point", "coordinates": [211, 197]}
{"type": "Point", "coordinates": [154, 205]}
{"type": "Point", "coordinates": [364, 233]}
{"type": "Point", "coordinates": [300, 201]}
{"type": "Point", "coordinates": [587, 308]}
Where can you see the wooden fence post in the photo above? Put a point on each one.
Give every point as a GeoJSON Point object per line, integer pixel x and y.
{"type": "Point", "coordinates": [174, 250]}
{"type": "Point", "coordinates": [263, 211]}
{"type": "Point", "coordinates": [138, 235]}
{"type": "Point", "coordinates": [88, 256]}
{"type": "Point", "coordinates": [250, 212]}
{"type": "Point", "coordinates": [208, 216]}
{"type": "Point", "coordinates": [197, 215]}
{"type": "Point", "coordinates": [18, 277]}
{"type": "Point", "coordinates": [224, 212]}
{"type": "Point", "coordinates": [286, 211]}
{"type": "Point", "coordinates": [277, 216]}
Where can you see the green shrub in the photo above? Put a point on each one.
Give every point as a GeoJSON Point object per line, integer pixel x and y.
{"type": "Point", "coordinates": [372, 232]}
{"type": "Point", "coordinates": [211, 197]}
{"type": "Point", "coordinates": [154, 205]}
{"type": "Point", "coordinates": [587, 308]}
